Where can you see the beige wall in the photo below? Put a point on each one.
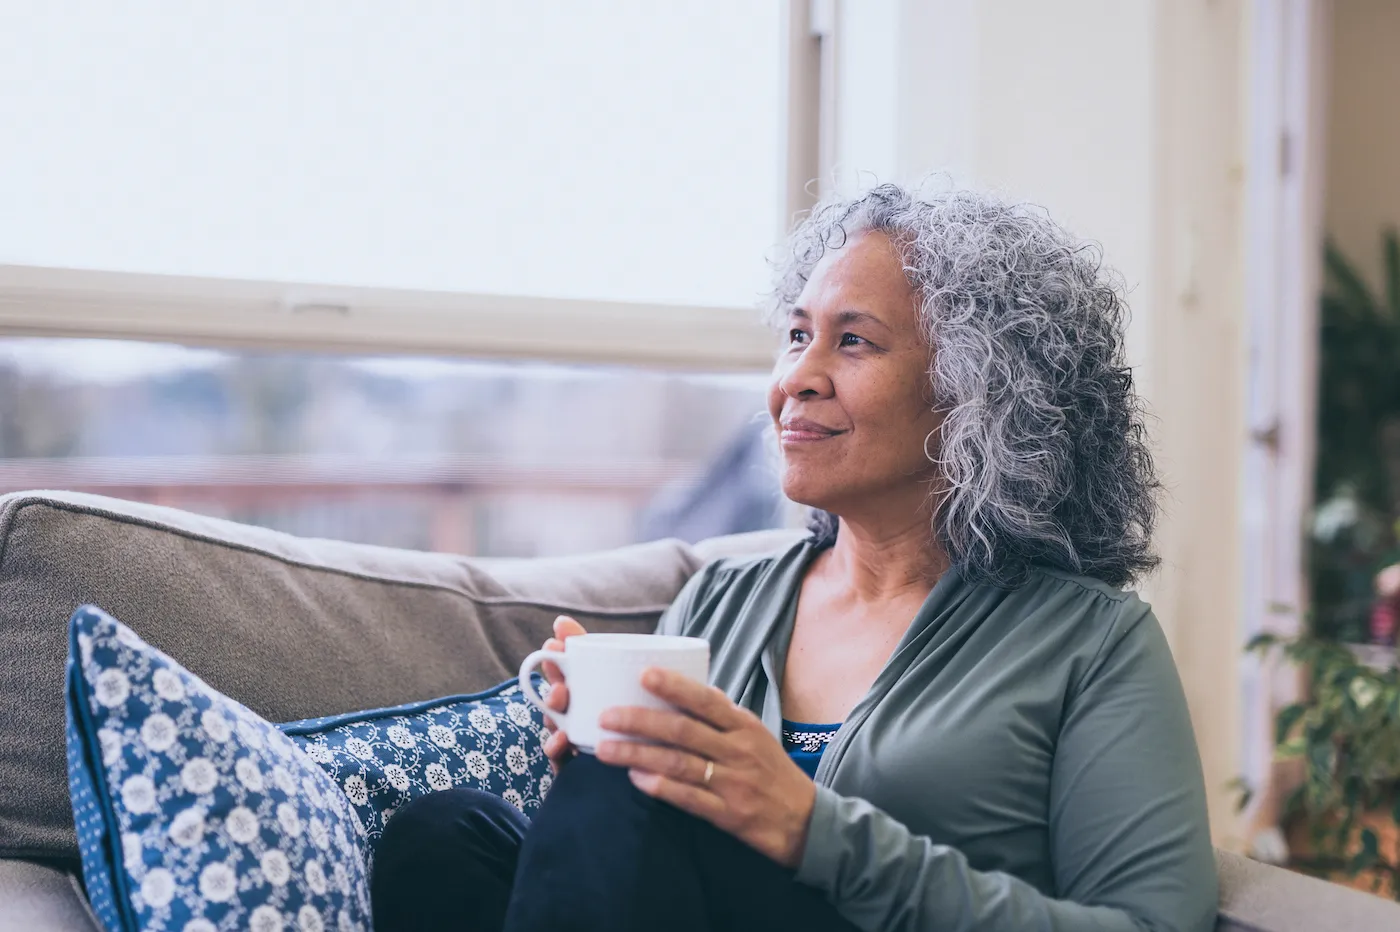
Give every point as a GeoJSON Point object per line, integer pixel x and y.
{"type": "Point", "coordinates": [1196, 343]}
{"type": "Point", "coordinates": [1125, 119]}
{"type": "Point", "coordinates": [1363, 133]}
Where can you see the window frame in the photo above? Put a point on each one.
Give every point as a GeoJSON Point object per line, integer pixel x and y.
{"type": "Point", "coordinates": [236, 313]}
{"type": "Point", "coordinates": [50, 302]}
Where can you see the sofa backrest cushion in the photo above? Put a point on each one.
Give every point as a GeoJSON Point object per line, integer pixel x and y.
{"type": "Point", "coordinates": [292, 628]}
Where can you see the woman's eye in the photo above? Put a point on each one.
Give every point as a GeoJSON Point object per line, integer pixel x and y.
{"type": "Point", "coordinates": [850, 339]}
{"type": "Point", "coordinates": [797, 336]}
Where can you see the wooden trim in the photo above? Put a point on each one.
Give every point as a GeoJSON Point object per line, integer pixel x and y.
{"type": "Point", "coordinates": [38, 301]}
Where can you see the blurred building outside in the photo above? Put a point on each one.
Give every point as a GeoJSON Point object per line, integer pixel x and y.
{"type": "Point", "coordinates": [472, 458]}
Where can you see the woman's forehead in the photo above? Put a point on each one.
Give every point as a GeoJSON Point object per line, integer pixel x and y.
{"type": "Point", "coordinates": [865, 276]}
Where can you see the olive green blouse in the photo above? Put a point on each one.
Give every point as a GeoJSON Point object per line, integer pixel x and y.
{"type": "Point", "coordinates": [1024, 761]}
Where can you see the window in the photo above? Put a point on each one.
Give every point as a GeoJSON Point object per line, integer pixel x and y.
{"type": "Point", "coordinates": [593, 186]}
{"type": "Point", "coordinates": [486, 458]}
{"type": "Point", "coordinates": [623, 151]}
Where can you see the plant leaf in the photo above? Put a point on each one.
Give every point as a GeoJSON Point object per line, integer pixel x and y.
{"type": "Point", "coordinates": [1320, 734]}
{"type": "Point", "coordinates": [1322, 762]}
{"type": "Point", "coordinates": [1246, 793]}
{"type": "Point", "coordinates": [1370, 851]}
{"type": "Point", "coordinates": [1261, 643]}
{"type": "Point", "coordinates": [1288, 716]}
{"type": "Point", "coordinates": [1351, 795]}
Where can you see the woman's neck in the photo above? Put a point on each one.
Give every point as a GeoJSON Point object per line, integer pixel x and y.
{"type": "Point", "coordinates": [882, 563]}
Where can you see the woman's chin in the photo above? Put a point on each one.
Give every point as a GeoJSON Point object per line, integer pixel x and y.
{"type": "Point", "coordinates": [811, 494]}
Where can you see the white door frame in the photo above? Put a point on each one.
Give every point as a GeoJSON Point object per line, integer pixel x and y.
{"type": "Point", "coordinates": [1285, 179]}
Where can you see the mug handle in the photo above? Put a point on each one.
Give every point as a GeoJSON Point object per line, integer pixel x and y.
{"type": "Point", "coordinates": [528, 688]}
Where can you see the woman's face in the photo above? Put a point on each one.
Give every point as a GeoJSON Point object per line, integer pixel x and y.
{"type": "Point", "coordinates": [849, 396]}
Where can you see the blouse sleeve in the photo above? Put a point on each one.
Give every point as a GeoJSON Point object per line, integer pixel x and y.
{"type": "Point", "coordinates": [1128, 829]}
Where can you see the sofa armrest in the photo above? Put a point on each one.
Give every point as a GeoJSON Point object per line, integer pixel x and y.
{"type": "Point", "coordinates": [1256, 897]}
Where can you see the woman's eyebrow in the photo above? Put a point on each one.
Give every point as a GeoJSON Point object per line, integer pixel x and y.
{"type": "Point", "coordinates": [849, 316]}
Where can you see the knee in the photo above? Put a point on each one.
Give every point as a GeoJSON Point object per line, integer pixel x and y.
{"type": "Point", "coordinates": [598, 799]}
{"type": "Point", "coordinates": [446, 856]}
{"type": "Point", "coordinates": [449, 821]}
{"type": "Point", "coordinates": [596, 786]}
{"type": "Point", "coordinates": [601, 854]}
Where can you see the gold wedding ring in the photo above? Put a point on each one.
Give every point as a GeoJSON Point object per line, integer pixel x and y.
{"type": "Point", "coordinates": [709, 771]}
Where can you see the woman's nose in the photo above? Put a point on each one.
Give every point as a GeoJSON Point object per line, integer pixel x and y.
{"type": "Point", "coordinates": [805, 373]}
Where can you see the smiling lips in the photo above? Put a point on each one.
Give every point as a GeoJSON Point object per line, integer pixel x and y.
{"type": "Point", "coordinates": [801, 430]}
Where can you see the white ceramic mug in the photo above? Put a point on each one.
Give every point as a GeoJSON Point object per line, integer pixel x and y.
{"type": "Point", "coordinates": [605, 670]}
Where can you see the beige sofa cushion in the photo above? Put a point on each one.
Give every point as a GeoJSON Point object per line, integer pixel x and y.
{"type": "Point", "coordinates": [293, 628]}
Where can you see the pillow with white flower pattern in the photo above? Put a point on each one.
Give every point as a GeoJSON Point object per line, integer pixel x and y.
{"type": "Point", "coordinates": [193, 813]}
{"type": "Point", "coordinates": [385, 758]}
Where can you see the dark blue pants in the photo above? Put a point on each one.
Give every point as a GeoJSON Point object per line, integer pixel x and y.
{"type": "Point", "coordinates": [599, 855]}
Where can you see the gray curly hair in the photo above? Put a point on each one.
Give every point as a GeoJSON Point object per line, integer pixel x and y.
{"type": "Point", "coordinates": [1042, 451]}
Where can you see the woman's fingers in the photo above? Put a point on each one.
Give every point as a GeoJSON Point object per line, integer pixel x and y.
{"type": "Point", "coordinates": [558, 699]}
{"type": "Point", "coordinates": [551, 670]}
{"type": "Point", "coordinates": [706, 703]}
{"type": "Point", "coordinates": [558, 749]}
{"type": "Point", "coordinates": [669, 762]}
{"type": "Point", "coordinates": [557, 744]}
{"type": "Point", "coordinates": [673, 729]}
{"type": "Point", "coordinates": [695, 800]}
{"type": "Point", "coordinates": [566, 627]}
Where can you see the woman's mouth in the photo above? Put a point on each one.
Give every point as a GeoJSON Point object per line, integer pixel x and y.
{"type": "Point", "coordinates": [804, 431]}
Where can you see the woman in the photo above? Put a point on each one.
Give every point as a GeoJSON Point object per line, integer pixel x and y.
{"type": "Point", "coordinates": [940, 711]}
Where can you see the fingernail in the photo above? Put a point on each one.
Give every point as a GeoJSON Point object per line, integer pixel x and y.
{"type": "Point", "coordinates": [608, 719]}
{"type": "Point", "coordinates": [651, 678]}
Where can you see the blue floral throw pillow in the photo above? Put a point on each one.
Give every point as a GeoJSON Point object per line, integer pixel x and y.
{"type": "Point", "coordinates": [385, 758]}
{"type": "Point", "coordinates": [193, 813]}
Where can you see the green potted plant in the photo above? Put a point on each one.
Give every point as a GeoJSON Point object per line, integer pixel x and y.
{"type": "Point", "coordinates": [1343, 819]}
{"type": "Point", "coordinates": [1357, 482]}
{"type": "Point", "coordinates": [1346, 733]}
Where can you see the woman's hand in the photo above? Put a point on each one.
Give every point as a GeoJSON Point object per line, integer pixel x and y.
{"type": "Point", "coordinates": [754, 791]}
{"type": "Point", "coordinates": [557, 746]}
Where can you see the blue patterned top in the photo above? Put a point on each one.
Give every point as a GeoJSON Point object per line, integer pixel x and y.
{"type": "Point", "coordinates": [805, 743]}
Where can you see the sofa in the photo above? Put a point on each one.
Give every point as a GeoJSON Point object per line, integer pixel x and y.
{"type": "Point", "coordinates": [297, 628]}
